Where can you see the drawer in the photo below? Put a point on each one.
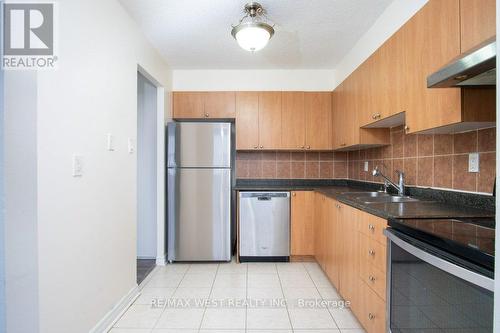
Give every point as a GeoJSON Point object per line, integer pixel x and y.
{"type": "Point", "coordinates": [374, 278]}
{"type": "Point", "coordinates": [372, 252]}
{"type": "Point", "coordinates": [373, 227]}
{"type": "Point", "coordinates": [373, 311]}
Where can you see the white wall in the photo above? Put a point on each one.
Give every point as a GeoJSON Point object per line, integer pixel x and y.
{"type": "Point", "coordinates": [85, 245]}
{"type": "Point", "coordinates": [21, 221]}
{"type": "Point", "coordinates": [253, 80]}
{"type": "Point", "coordinates": [395, 15]}
{"type": "Point", "coordinates": [146, 168]}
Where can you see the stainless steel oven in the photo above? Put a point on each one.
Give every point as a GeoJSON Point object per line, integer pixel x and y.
{"type": "Point", "coordinates": [440, 276]}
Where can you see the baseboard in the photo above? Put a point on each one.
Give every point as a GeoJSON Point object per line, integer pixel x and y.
{"type": "Point", "coordinates": [110, 318]}
{"type": "Point", "coordinates": [161, 261]}
{"type": "Point", "coordinates": [302, 258]}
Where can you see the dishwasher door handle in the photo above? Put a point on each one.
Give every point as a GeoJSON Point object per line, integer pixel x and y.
{"type": "Point", "coordinates": [264, 198]}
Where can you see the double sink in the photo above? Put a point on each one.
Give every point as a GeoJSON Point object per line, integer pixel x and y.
{"type": "Point", "coordinates": [377, 197]}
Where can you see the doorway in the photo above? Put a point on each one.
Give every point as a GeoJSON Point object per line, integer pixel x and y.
{"type": "Point", "coordinates": [148, 157]}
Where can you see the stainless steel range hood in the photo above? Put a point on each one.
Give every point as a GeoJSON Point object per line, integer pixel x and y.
{"type": "Point", "coordinates": [474, 68]}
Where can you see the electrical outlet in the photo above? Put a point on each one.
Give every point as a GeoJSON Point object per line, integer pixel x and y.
{"type": "Point", "coordinates": [77, 165]}
{"type": "Point", "coordinates": [474, 162]}
{"type": "Point", "coordinates": [366, 166]}
{"type": "Point", "coordinates": [111, 142]}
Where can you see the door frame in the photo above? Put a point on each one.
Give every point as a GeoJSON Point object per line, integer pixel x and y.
{"type": "Point", "coordinates": [160, 167]}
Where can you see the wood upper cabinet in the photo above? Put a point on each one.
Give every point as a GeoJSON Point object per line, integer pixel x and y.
{"type": "Point", "coordinates": [293, 118]}
{"type": "Point", "coordinates": [188, 105]}
{"type": "Point", "coordinates": [302, 223]}
{"type": "Point", "coordinates": [318, 120]}
{"type": "Point", "coordinates": [269, 120]}
{"type": "Point", "coordinates": [477, 22]}
{"type": "Point", "coordinates": [247, 120]}
{"type": "Point", "coordinates": [220, 104]}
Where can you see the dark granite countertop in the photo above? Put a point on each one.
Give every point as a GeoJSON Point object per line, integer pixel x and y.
{"type": "Point", "coordinates": [432, 203]}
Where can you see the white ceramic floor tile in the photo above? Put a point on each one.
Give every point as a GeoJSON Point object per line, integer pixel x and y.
{"type": "Point", "coordinates": [181, 318]}
{"type": "Point", "coordinates": [139, 316]}
{"type": "Point", "coordinates": [228, 293]}
{"type": "Point", "coordinates": [296, 280]}
{"type": "Point", "coordinates": [344, 318]}
{"type": "Point", "coordinates": [265, 318]}
{"type": "Point", "coordinates": [219, 331]}
{"type": "Point", "coordinates": [232, 268]}
{"type": "Point", "coordinates": [224, 319]}
{"type": "Point", "coordinates": [269, 331]}
{"type": "Point", "coordinates": [295, 297]}
{"type": "Point", "coordinates": [162, 281]}
{"type": "Point", "coordinates": [355, 330]}
{"type": "Point", "coordinates": [289, 267]}
{"type": "Point", "coordinates": [191, 293]}
{"type": "Point", "coordinates": [173, 330]}
{"type": "Point", "coordinates": [263, 281]}
{"type": "Point", "coordinates": [202, 268]}
{"type": "Point", "coordinates": [150, 295]}
{"type": "Point", "coordinates": [231, 281]}
{"type": "Point", "coordinates": [320, 280]}
{"type": "Point", "coordinates": [311, 318]}
{"type": "Point", "coordinates": [329, 293]}
{"type": "Point", "coordinates": [331, 330]}
{"type": "Point", "coordinates": [264, 293]}
{"type": "Point", "coordinates": [197, 281]}
{"type": "Point", "coordinates": [130, 330]}
{"type": "Point", "coordinates": [262, 268]}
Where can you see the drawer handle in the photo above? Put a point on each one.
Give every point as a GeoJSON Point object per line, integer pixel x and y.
{"type": "Point", "coordinates": [371, 227]}
{"type": "Point", "coordinates": [371, 252]}
{"type": "Point", "coordinates": [371, 316]}
{"type": "Point", "coordinates": [371, 278]}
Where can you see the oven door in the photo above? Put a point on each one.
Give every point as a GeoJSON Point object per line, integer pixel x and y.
{"type": "Point", "coordinates": [431, 291]}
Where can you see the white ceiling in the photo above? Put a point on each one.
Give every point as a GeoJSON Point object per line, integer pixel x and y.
{"type": "Point", "coordinates": [310, 34]}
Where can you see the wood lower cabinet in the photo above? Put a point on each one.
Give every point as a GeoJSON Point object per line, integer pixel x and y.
{"type": "Point", "coordinates": [197, 105]}
{"type": "Point", "coordinates": [350, 247]}
{"type": "Point", "coordinates": [302, 223]}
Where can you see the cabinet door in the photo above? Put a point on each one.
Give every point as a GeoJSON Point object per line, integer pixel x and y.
{"type": "Point", "coordinates": [292, 121]}
{"type": "Point", "coordinates": [187, 105]}
{"type": "Point", "coordinates": [477, 22]}
{"type": "Point", "coordinates": [318, 110]}
{"type": "Point", "coordinates": [219, 104]}
{"type": "Point", "coordinates": [432, 39]}
{"type": "Point", "coordinates": [247, 120]}
{"type": "Point", "coordinates": [333, 240]}
{"type": "Point", "coordinates": [270, 120]}
{"type": "Point", "coordinates": [349, 271]}
{"type": "Point", "coordinates": [337, 119]}
{"type": "Point", "coordinates": [319, 229]}
{"type": "Point", "coordinates": [302, 223]}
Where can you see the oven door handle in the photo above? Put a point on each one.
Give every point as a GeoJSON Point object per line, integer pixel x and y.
{"type": "Point", "coordinates": [460, 272]}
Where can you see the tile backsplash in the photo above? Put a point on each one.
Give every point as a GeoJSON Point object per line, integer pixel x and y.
{"type": "Point", "coordinates": [428, 160]}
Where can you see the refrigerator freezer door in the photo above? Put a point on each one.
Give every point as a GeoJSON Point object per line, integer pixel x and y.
{"type": "Point", "coordinates": [199, 214]}
{"type": "Point", "coordinates": [199, 145]}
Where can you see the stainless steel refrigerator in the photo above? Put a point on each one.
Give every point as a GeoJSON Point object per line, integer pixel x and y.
{"type": "Point", "coordinates": [199, 179]}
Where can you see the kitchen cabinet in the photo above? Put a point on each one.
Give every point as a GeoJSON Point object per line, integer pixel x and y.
{"type": "Point", "coordinates": [269, 120]}
{"type": "Point", "coordinates": [189, 105]}
{"type": "Point", "coordinates": [247, 120]}
{"type": "Point", "coordinates": [477, 22]}
{"type": "Point", "coordinates": [302, 223]}
{"type": "Point", "coordinates": [320, 230]}
{"type": "Point", "coordinates": [318, 120]}
{"type": "Point", "coordinates": [333, 243]}
{"type": "Point", "coordinates": [347, 134]}
{"type": "Point", "coordinates": [293, 119]}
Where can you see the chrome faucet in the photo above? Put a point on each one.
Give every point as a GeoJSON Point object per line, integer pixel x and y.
{"type": "Point", "coordinates": [401, 180]}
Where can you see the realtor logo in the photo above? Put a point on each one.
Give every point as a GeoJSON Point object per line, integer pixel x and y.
{"type": "Point", "coordinates": [28, 36]}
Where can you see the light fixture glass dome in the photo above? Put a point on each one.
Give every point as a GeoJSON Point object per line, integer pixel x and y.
{"type": "Point", "coordinates": [252, 36]}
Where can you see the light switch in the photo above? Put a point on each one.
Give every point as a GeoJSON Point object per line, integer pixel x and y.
{"type": "Point", "coordinates": [111, 142]}
{"type": "Point", "coordinates": [474, 162]}
{"type": "Point", "coordinates": [77, 165]}
{"type": "Point", "coordinates": [366, 166]}
{"type": "Point", "coordinates": [131, 148]}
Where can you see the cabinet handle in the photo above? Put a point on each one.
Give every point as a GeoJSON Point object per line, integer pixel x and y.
{"type": "Point", "coordinates": [371, 278]}
{"type": "Point", "coordinates": [371, 252]}
{"type": "Point", "coordinates": [261, 147]}
{"type": "Point", "coordinates": [308, 147]}
{"type": "Point", "coordinates": [206, 115]}
{"type": "Point", "coordinates": [371, 316]}
{"type": "Point", "coordinates": [373, 116]}
{"type": "Point", "coordinates": [371, 227]}
{"type": "Point", "coordinates": [377, 116]}
{"type": "Point", "coordinates": [293, 193]}
{"type": "Point", "coordinates": [407, 128]}
{"type": "Point", "coordinates": [302, 147]}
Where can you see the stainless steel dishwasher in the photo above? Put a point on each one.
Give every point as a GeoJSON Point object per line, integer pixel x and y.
{"type": "Point", "coordinates": [264, 232]}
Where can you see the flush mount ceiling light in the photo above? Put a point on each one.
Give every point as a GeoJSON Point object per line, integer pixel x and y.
{"type": "Point", "coordinates": [252, 32]}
